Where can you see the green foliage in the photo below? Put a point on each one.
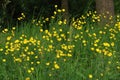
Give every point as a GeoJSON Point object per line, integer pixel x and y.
{"type": "Point", "coordinates": [117, 6]}
{"type": "Point", "coordinates": [79, 51]}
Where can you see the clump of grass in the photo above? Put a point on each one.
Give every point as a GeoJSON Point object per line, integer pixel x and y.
{"type": "Point", "coordinates": [82, 51]}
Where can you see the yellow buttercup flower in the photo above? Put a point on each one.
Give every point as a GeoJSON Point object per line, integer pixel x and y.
{"type": "Point", "coordinates": [56, 66]}
{"type": "Point", "coordinates": [90, 76]}
{"type": "Point", "coordinates": [106, 44]}
{"type": "Point", "coordinates": [4, 60]}
{"type": "Point", "coordinates": [29, 71]}
{"type": "Point", "coordinates": [28, 78]}
{"type": "Point", "coordinates": [59, 22]}
{"type": "Point", "coordinates": [1, 49]}
{"type": "Point", "coordinates": [38, 62]}
{"type": "Point", "coordinates": [56, 6]}
{"type": "Point", "coordinates": [109, 54]}
{"type": "Point", "coordinates": [63, 10]}
{"type": "Point", "coordinates": [59, 10]}
{"type": "Point", "coordinates": [47, 63]}
{"type": "Point", "coordinates": [32, 68]}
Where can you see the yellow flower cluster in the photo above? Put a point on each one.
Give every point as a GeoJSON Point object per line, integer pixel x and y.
{"type": "Point", "coordinates": [37, 22]}
{"type": "Point", "coordinates": [48, 49]}
{"type": "Point", "coordinates": [21, 17]}
{"type": "Point", "coordinates": [24, 49]}
{"type": "Point", "coordinates": [5, 30]}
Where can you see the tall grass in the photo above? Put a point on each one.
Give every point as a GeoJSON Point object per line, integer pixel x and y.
{"type": "Point", "coordinates": [80, 51]}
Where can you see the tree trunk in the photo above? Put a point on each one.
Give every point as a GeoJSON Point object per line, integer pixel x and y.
{"type": "Point", "coordinates": [105, 7]}
{"type": "Point", "coordinates": [64, 5]}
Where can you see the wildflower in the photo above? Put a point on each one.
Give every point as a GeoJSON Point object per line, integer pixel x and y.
{"type": "Point", "coordinates": [1, 49]}
{"type": "Point", "coordinates": [28, 58]}
{"type": "Point", "coordinates": [21, 38]}
{"type": "Point", "coordinates": [32, 68]}
{"type": "Point", "coordinates": [56, 66]}
{"type": "Point", "coordinates": [118, 67]}
{"type": "Point", "coordinates": [32, 62]}
{"type": "Point", "coordinates": [109, 62]}
{"type": "Point", "coordinates": [118, 16]}
{"type": "Point", "coordinates": [41, 30]}
{"type": "Point", "coordinates": [56, 6]}
{"type": "Point", "coordinates": [6, 46]}
{"type": "Point", "coordinates": [17, 60]}
{"type": "Point", "coordinates": [90, 76]}
{"type": "Point", "coordinates": [55, 12]}
{"type": "Point", "coordinates": [46, 19]}
{"type": "Point", "coordinates": [106, 44]}
{"type": "Point", "coordinates": [60, 30]}
{"type": "Point", "coordinates": [46, 31]}
{"type": "Point", "coordinates": [59, 22]}
{"type": "Point", "coordinates": [59, 39]}
{"type": "Point", "coordinates": [69, 55]}
{"type": "Point", "coordinates": [95, 44]}
{"type": "Point", "coordinates": [109, 54]}
{"type": "Point", "coordinates": [94, 34]}
{"type": "Point", "coordinates": [93, 20]}
{"type": "Point", "coordinates": [5, 30]}
{"type": "Point", "coordinates": [65, 21]}
{"type": "Point", "coordinates": [63, 10]}
{"type": "Point", "coordinates": [58, 56]}
{"type": "Point", "coordinates": [98, 20]}
{"type": "Point", "coordinates": [36, 57]}
{"type": "Point", "coordinates": [47, 63]}
{"type": "Point", "coordinates": [28, 78]}
{"type": "Point", "coordinates": [62, 35]}
{"type": "Point", "coordinates": [23, 15]}
{"type": "Point", "coordinates": [29, 71]}
{"type": "Point", "coordinates": [17, 41]}
{"type": "Point", "coordinates": [105, 52]}
{"type": "Point", "coordinates": [38, 62]}
{"type": "Point", "coordinates": [19, 18]}
{"type": "Point", "coordinates": [84, 41]}
{"type": "Point", "coordinates": [117, 62]}
{"type": "Point", "coordinates": [53, 69]}
{"type": "Point", "coordinates": [33, 20]}
{"type": "Point", "coordinates": [50, 74]}
{"type": "Point", "coordinates": [4, 60]}
{"type": "Point", "coordinates": [64, 60]}
{"type": "Point", "coordinates": [98, 50]}
{"type": "Point", "coordinates": [41, 25]}
{"type": "Point", "coordinates": [59, 10]}
{"type": "Point", "coordinates": [26, 48]}
{"type": "Point", "coordinates": [25, 41]}
{"type": "Point", "coordinates": [96, 41]}
{"type": "Point", "coordinates": [62, 54]}
{"type": "Point", "coordinates": [50, 46]}
{"type": "Point", "coordinates": [101, 74]}
{"type": "Point", "coordinates": [52, 17]}
{"type": "Point", "coordinates": [13, 28]}
{"type": "Point", "coordinates": [43, 37]}
{"type": "Point", "coordinates": [63, 46]}
{"type": "Point", "coordinates": [37, 24]}
{"type": "Point", "coordinates": [112, 44]}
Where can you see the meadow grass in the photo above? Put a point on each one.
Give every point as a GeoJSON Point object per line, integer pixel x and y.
{"type": "Point", "coordinates": [80, 51]}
